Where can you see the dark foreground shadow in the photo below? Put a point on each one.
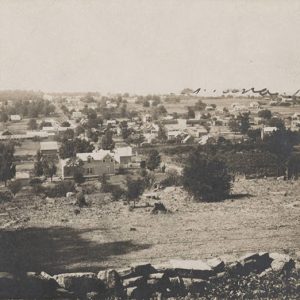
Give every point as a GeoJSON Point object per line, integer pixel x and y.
{"type": "Point", "coordinates": [58, 249]}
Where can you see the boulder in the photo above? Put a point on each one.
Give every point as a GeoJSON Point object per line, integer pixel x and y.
{"type": "Point", "coordinates": [138, 292]}
{"type": "Point", "coordinates": [191, 268]}
{"type": "Point", "coordinates": [195, 286]}
{"type": "Point", "coordinates": [281, 262]}
{"type": "Point", "coordinates": [176, 286]}
{"type": "Point", "coordinates": [111, 279]}
{"type": "Point", "coordinates": [80, 283]}
{"type": "Point", "coordinates": [134, 281]}
{"type": "Point", "coordinates": [138, 269]}
{"type": "Point", "coordinates": [216, 264]}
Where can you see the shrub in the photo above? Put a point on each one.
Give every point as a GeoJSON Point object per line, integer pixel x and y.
{"type": "Point", "coordinates": [35, 181]}
{"type": "Point", "coordinates": [5, 196]}
{"type": "Point", "coordinates": [117, 192]}
{"type": "Point", "coordinates": [173, 178]}
{"type": "Point", "coordinates": [60, 189]}
{"type": "Point", "coordinates": [15, 186]}
{"type": "Point", "coordinates": [206, 178]}
{"type": "Point", "coordinates": [78, 177]}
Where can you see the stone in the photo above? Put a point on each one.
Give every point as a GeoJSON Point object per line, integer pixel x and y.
{"type": "Point", "coordinates": [143, 269]}
{"type": "Point", "coordinates": [248, 256]}
{"type": "Point", "coordinates": [137, 292]}
{"type": "Point", "coordinates": [195, 285]}
{"type": "Point", "coordinates": [281, 262]}
{"type": "Point", "coordinates": [176, 285]}
{"type": "Point", "coordinates": [191, 268]}
{"type": "Point", "coordinates": [135, 281]}
{"type": "Point", "coordinates": [80, 283]}
{"type": "Point", "coordinates": [235, 268]}
{"type": "Point", "coordinates": [216, 264]}
{"type": "Point", "coordinates": [111, 278]}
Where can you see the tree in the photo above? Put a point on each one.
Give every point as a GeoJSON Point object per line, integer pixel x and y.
{"type": "Point", "coordinates": [240, 124]}
{"type": "Point", "coordinates": [15, 186]}
{"type": "Point", "coordinates": [162, 134]}
{"type": "Point", "coordinates": [78, 176]}
{"type": "Point", "coordinates": [191, 113]}
{"type": "Point", "coordinates": [69, 148]}
{"type": "Point", "coordinates": [38, 165]}
{"type": "Point", "coordinates": [153, 160]}
{"type": "Point", "coordinates": [107, 142]}
{"type": "Point", "coordinates": [276, 122]}
{"type": "Point", "coordinates": [265, 114]}
{"type": "Point", "coordinates": [65, 124]}
{"type": "Point", "coordinates": [206, 178]}
{"type": "Point", "coordinates": [7, 167]}
{"type": "Point", "coordinates": [135, 187]}
{"type": "Point", "coordinates": [32, 124]}
{"type": "Point", "coordinates": [4, 117]}
{"type": "Point", "coordinates": [49, 168]}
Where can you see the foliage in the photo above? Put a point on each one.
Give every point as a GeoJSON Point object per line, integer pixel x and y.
{"type": "Point", "coordinates": [162, 134]}
{"type": "Point", "coordinates": [78, 176]}
{"type": "Point", "coordinates": [5, 196]}
{"type": "Point", "coordinates": [60, 189]}
{"type": "Point", "coordinates": [191, 113]}
{"type": "Point", "coordinates": [65, 124]}
{"type": "Point", "coordinates": [107, 142]}
{"type": "Point", "coordinates": [15, 186]}
{"type": "Point", "coordinates": [153, 160]}
{"type": "Point", "coordinates": [173, 178]}
{"type": "Point", "coordinates": [117, 192]}
{"type": "Point", "coordinates": [80, 200]}
{"type": "Point", "coordinates": [135, 187]}
{"type": "Point", "coordinates": [32, 124]}
{"type": "Point", "coordinates": [69, 148]}
{"type": "Point", "coordinates": [293, 166]}
{"type": "Point", "coordinates": [276, 122]}
{"type": "Point", "coordinates": [207, 178]}
{"type": "Point", "coordinates": [265, 113]}
{"type": "Point", "coordinates": [7, 167]}
{"type": "Point", "coordinates": [240, 123]}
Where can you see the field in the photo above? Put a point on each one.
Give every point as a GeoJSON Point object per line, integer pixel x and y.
{"type": "Point", "coordinates": [263, 215]}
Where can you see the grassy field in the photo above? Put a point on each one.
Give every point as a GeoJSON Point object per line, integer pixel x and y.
{"type": "Point", "coordinates": [263, 215]}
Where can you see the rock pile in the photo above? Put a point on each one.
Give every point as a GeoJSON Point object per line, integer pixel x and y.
{"type": "Point", "coordinates": [176, 278]}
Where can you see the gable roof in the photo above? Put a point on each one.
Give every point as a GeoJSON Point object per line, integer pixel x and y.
{"type": "Point", "coordinates": [48, 146]}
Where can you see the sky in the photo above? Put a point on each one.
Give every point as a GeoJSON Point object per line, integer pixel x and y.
{"type": "Point", "coordinates": [153, 46]}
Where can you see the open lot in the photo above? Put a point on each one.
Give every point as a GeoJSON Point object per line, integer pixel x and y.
{"type": "Point", "coordinates": [262, 215]}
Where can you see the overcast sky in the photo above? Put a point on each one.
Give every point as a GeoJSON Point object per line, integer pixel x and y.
{"type": "Point", "coordinates": [149, 46]}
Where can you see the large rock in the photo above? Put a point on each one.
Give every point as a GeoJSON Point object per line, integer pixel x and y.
{"type": "Point", "coordinates": [255, 262]}
{"type": "Point", "coordinates": [134, 281]}
{"type": "Point", "coordinates": [138, 269]}
{"type": "Point", "coordinates": [176, 286]}
{"type": "Point", "coordinates": [191, 268]}
{"type": "Point", "coordinates": [111, 278]}
{"type": "Point", "coordinates": [216, 264]}
{"type": "Point", "coordinates": [195, 286]}
{"type": "Point", "coordinates": [281, 262]}
{"type": "Point", "coordinates": [80, 283]}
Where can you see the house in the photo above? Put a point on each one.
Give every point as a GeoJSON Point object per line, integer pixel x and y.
{"type": "Point", "coordinates": [147, 118]}
{"type": "Point", "coordinates": [123, 155]}
{"type": "Point", "coordinates": [254, 105]}
{"type": "Point", "coordinates": [77, 115]}
{"type": "Point", "coordinates": [49, 149]}
{"type": "Point", "coordinates": [267, 131]}
{"type": "Point", "coordinates": [15, 118]}
{"type": "Point", "coordinates": [94, 164]}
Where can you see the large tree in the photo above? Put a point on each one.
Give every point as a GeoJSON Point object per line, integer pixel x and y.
{"type": "Point", "coordinates": [153, 160]}
{"type": "Point", "coordinates": [107, 142]}
{"type": "Point", "coordinates": [7, 167]}
{"type": "Point", "coordinates": [206, 178]}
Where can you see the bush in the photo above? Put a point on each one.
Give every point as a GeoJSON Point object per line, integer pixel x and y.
{"type": "Point", "coordinates": [173, 178]}
{"type": "Point", "coordinates": [35, 181]}
{"type": "Point", "coordinates": [5, 196]}
{"type": "Point", "coordinates": [60, 189]}
{"type": "Point", "coordinates": [80, 200]}
{"type": "Point", "coordinates": [78, 177]}
{"type": "Point", "coordinates": [117, 192]}
{"type": "Point", "coordinates": [15, 186]}
{"type": "Point", "coordinates": [206, 178]}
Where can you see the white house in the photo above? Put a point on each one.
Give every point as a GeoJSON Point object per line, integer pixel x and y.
{"type": "Point", "coordinates": [15, 118]}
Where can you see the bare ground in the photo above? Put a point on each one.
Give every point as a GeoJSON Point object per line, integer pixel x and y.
{"type": "Point", "coordinates": [263, 215]}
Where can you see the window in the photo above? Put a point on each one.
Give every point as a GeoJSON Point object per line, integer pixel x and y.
{"type": "Point", "coordinates": [90, 170]}
{"type": "Point", "coordinates": [104, 160]}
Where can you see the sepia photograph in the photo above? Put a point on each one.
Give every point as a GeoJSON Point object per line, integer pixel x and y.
{"type": "Point", "coordinates": [149, 149]}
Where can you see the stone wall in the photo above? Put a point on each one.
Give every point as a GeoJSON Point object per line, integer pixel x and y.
{"type": "Point", "coordinates": [176, 278]}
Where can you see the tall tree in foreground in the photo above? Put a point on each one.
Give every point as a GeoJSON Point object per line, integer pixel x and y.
{"type": "Point", "coordinates": [206, 178]}
{"type": "Point", "coordinates": [153, 160]}
{"type": "Point", "coordinates": [7, 167]}
{"type": "Point", "coordinates": [135, 187]}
